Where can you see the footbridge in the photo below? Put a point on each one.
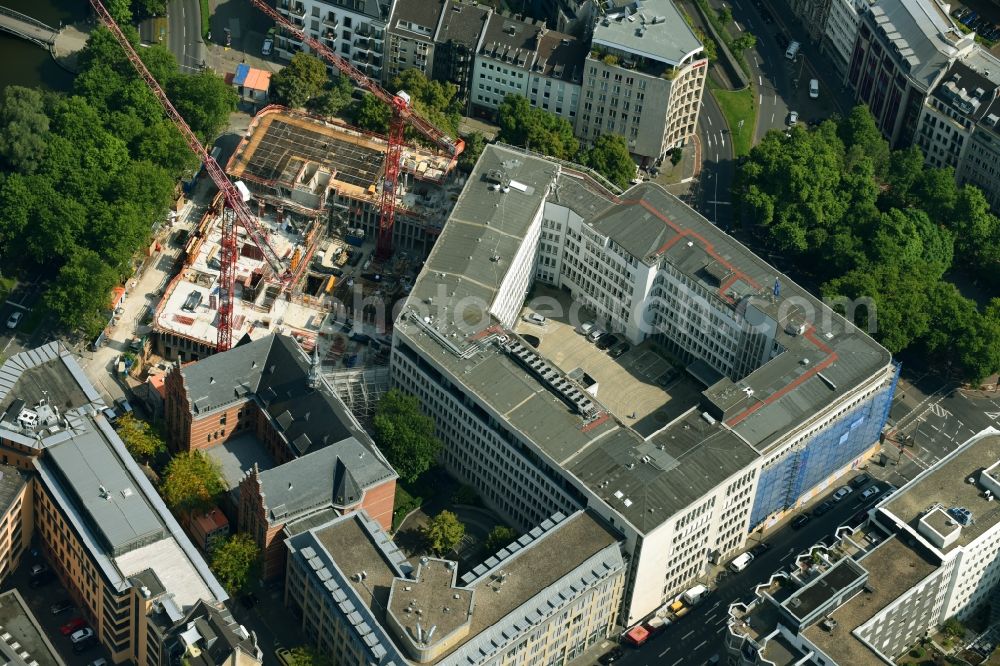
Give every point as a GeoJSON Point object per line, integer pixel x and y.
{"type": "Point", "coordinates": [28, 28]}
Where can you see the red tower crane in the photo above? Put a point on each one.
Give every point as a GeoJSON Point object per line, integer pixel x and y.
{"type": "Point", "coordinates": [402, 115]}
{"type": "Point", "coordinates": [236, 209]}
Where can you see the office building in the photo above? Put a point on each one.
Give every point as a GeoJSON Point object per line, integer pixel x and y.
{"type": "Point", "coordinates": [353, 29]}
{"type": "Point", "coordinates": [287, 446]}
{"type": "Point", "coordinates": [23, 641]}
{"type": "Point", "coordinates": [958, 125]}
{"type": "Point", "coordinates": [839, 34]}
{"type": "Point", "coordinates": [544, 599]}
{"type": "Point", "coordinates": [104, 529]}
{"type": "Point", "coordinates": [643, 78]}
{"type": "Point", "coordinates": [525, 58]}
{"type": "Point", "coordinates": [740, 393]}
{"type": "Point", "coordinates": [813, 14]}
{"type": "Point", "coordinates": [928, 554]}
{"type": "Point", "coordinates": [903, 50]}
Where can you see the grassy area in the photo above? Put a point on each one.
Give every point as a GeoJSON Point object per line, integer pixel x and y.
{"type": "Point", "coordinates": [205, 15]}
{"type": "Point", "coordinates": [6, 286]}
{"type": "Point", "coordinates": [737, 105]}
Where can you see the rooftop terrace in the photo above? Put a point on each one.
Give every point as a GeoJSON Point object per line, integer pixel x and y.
{"type": "Point", "coordinates": [652, 29]}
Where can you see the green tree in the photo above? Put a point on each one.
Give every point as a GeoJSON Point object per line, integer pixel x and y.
{"type": "Point", "coordinates": [120, 10]}
{"type": "Point", "coordinates": [304, 656]}
{"type": "Point", "coordinates": [609, 157]}
{"type": "Point", "coordinates": [24, 128]}
{"type": "Point", "coordinates": [372, 115]}
{"type": "Point", "coordinates": [524, 125]}
{"type": "Point", "coordinates": [205, 101]}
{"type": "Point", "coordinates": [436, 101]}
{"type": "Point", "coordinates": [725, 15]}
{"type": "Point", "coordinates": [234, 561]}
{"type": "Point", "coordinates": [302, 79]}
{"type": "Point", "coordinates": [405, 434]}
{"type": "Point", "coordinates": [147, 8]}
{"type": "Point", "coordinates": [191, 481]}
{"type": "Point", "coordinates": [336, 97]}
{"type": "Point", "coordinates": [443, 532]}
{"type": "Point", "coordinates": [859, 129]}
{"type": "Point", "coordinates": [81, 291]}
{"type": "Point", "coordinates": [475, 143]}
{"type": "Point", "coordinates": [140, 440]}
{"type": "Point", "coordinates": [743, 42]}
{"type": "Point", "coordinates": [499, 536]}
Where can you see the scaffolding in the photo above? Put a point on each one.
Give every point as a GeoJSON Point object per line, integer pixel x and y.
{"type": "Point", "coordinates": [360, 388]}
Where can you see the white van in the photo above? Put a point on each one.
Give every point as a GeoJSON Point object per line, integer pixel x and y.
{"type": "Point", "coordinates": [741, 562]}
{"type": "Point", "coordinates": [792, 50]}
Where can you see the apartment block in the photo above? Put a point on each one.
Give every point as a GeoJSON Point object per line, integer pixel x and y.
{"type": "Point", "coordinates": [104, 529]}
{"type": "Point", "coordinates": [739, 395]}
{"type": "Point", "coordinates": [546, 598]}
{"type": "Point", "coordinates": [411, 37]}
{"type": "Point", "coordinates": [927, 554]}
{"type": "Point", "coordinates": [813, 14]}
{"type": "Point", "coordinates": [959, 121]}
{"type": "Point", "coordinates": [287, 446]}
{"type": "Point", "coordinates": [527, 59]}
{"type": "Point", "coordinates": [456, 42]}
{"type": "Point", "coordinates": [353, 29]}
{"type": "Point", "coordinates": [903, 50]}
{"type": "Point", "coordinates": [643, 78]}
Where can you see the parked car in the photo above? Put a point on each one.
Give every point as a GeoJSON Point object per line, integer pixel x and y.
{"type": "Point", "coordinates": [842, 492]}
{"type": "Point", "coordinates": [813, 88]}
{"type": "Point", "coordinates": [860, 480]}
{"type": "Point", "coordinates": [73, 626]}
{"type": "Point", "coordinates": [663, 380]}
{"type": "Point", "coordinates": [110, 414]}
{"type": "Point", "coordinates": [14, 319]}
{"type": "Point", "coordinates": [611, 657]}
{"type": "Point", "coordinates": [81, 635]}
{"type": "Point", "coordinates": [800, 520]}
{"type": "Point", "coordinates": [793, 117]}
{"type": "Point", "coordinates": [741, 562]}
{"type": "Point", "coordinates": [586, 327]}
{"type": "Point", "coordinates": [99, 662]}
{"type": "Point", "coordinates": [823, 508]}
{"type": "Point", "coordinates": [761, 548]}
{"type": "Point", "coordinates": [595, 334]}
{"type": "Point", "coordinates": [61, 606]}
{"type": "Point", "coordinates": [39, 568]}
{"type": "Point", "coordinates": [870, 492]}
{"type": "Point", "coordinates": [535, 318]}
{"type": "Point", "coordinates": [619, 349]}
{"type": "Point", "coordinates": [265, 50]}
{"type": "Point", "coordinates": [607, 341]}
{"type": "Point", "coordinates": [284, 656]}
{"type": "Point", "coordinates": [123, 405]}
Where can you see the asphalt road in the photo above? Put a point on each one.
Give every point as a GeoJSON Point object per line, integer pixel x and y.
{"type": "Point", "coordinates": [184, 33]}
{"type": "Point", "coordinates": [717, 165]}
{"type": "Point", "coordinates": [699, 635]}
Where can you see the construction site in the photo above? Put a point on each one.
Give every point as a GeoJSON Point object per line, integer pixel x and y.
{"type": "Point", "coordinates": [315, 189]}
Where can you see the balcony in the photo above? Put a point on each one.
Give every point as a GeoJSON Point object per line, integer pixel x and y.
{"type": "Point", "coordinates": [292, 8]}
{"type": "Point", "coordinates": [331, 21]}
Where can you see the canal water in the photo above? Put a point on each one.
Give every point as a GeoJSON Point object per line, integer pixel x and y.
{"type": "Point", "coordinates": [24, 63]}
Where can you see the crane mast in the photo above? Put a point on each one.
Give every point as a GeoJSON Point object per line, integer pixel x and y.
{"type": "Point", "coordinates": [236, 209]}
{"type": "Point", "coordinates": [402, 115]}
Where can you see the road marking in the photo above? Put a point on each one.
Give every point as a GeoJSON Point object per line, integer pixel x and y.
{"type": "Point", "coordinates": [700, 645]}
{"type": "Point", "coordinates": [937, 410]}
{"type": "Point", "coordinates": [993, 416]}
{"type": "Point", "coordinates": [776, 99]}
{"type": "Point", "coordinates": [738, 26]}
{"type": "Point", "coordinates": [709, 119]}
{"type": "Point", "coordinates": [678, 661]}
{"type": "Point", "coordinates": [760, 102]}
{"type": "Point", "coordinates": [723, 139]}
{"type": "Point", "coordinates": [772, 118]}
{"type": "Point", "coordinates": [721, 203]}
{"type": "Point", "coordinates": [715, 605]}
{"type": "Point", "coordinates": [663, 653]}
{"type": "Point", "coordinates": [723, 620]}
{"type": "Point", "coordinates": [755, 62]}
{"type": "Point", "coordinates": [709, 617]}
{"type": "Point", "coordinates": [760, 80]}
{"type": "Point", "coordinates": [687, 635]}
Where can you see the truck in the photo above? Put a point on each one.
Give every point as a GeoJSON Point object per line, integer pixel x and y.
{"type": "Point", "coordinates": [636, 636]}
{"type": "Point", "coordinates": [693, 596]}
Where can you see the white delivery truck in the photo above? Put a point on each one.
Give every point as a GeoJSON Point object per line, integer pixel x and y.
{"type": "Point", "coordinates": [694, 596]}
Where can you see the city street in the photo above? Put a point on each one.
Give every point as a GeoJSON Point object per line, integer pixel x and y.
{"type": "Point", "coordinates": [184, 33]}
{"type": "Point", "coordinates": [717, 165]}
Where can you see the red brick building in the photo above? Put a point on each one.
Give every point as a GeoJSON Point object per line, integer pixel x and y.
{"type": "Point", "coordinates": [309, 456]}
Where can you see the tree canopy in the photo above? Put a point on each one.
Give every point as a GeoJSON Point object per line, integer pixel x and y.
{"type": "Point", "coordinates": [475, 143]}
{"type": "Point", "coordinates": [436, 101]}
{"type": "Point", "coordinates": [87, 175]}
{"type": "Point", "coordinates": [536, 129]}
{"type": "Point", "coordinates": [304, 656]}
{"type": "Point", "coordinates": [405, 435]}
{"type": "Point", "coordinates": [609, 157]}
{"type": "Point", "coordinates": [499, 536]}
{"type": "Point", "coordinates": [443, 532]}
{"type": "Point", "coordinates": [303, 79]}
{"type": "Point", "coordinates": [191, 481]}
{"type": "Point", "coordinates": [234, 561]}
{"type": "Point", "coordinates": [140, 440]}
{"type": "Point", "coordinates": [879, 227]}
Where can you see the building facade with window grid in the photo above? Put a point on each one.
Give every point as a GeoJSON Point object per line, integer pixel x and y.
{"type": "Point", "coordinates": [688, 494]}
